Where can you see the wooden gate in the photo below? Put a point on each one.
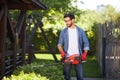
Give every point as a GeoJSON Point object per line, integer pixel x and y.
{"type": "Point", "coordinates": [108, 49]}
{"type": "Point", "coordinates": [12, 37]}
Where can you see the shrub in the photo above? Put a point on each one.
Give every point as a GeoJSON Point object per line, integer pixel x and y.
{"type": "Point", "coordinates": [26, 76]}
{"type": "Point", "coordinates": [36, 72]}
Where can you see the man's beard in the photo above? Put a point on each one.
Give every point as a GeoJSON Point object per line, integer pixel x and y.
{"type": "Point", "coordinates": [69, 25]}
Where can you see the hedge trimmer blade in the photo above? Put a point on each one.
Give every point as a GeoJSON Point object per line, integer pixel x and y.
{"type": "Point", "coordinates": [46, 65]}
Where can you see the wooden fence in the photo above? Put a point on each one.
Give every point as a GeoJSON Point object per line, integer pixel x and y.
{"type": "Point", "coordinates": [108, 49]}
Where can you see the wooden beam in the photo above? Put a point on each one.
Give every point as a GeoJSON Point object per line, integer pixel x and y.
{"type": "Point", "coordinates": [48, 43]}
{"type": "Point", "coordinates": [20, 21]}
{"type": "Point", "coordinates": [32, 33]}
{"type": "Point", "coordinates": [26, 4]}
{"type": "Point", "coordinates": [11, 31]}
{"type": "Point", "coordinates": [29, 42]}
{"type": "Point", "coordinates": [38, 3]}
{"type": "Point", "coordinates": [23, 41]}
{"type": "Point", "coordinates": [3, 24]}
{"type": "Point", "coordinates": [1, 12]}
{"type": "Point", "coordinates": [2, 2]}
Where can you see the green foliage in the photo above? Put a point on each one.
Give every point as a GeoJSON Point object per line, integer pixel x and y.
{"type": "Point", "coordinates": [14, 14]}
{"type": "Point", "coordinates": [36, 72]}
{"type": "Point", "coordinates": [108, 13]}
{"type": "Point", "coordinates": [41, 44]}
{"type": "Point", "coordinates": [57, 5]}
{"type": "Point", "coordinates": [92, 42]}
{"type": "Point", "coordinates": [26, 76]}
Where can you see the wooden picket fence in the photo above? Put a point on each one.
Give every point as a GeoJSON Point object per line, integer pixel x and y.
{"type": "Point", "coordinates": [108, 48]}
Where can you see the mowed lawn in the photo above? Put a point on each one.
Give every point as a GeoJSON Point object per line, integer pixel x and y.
{"type": "Point", "coordinates": [91, 67]}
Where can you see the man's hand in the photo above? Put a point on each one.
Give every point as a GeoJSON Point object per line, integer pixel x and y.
{"type": "Point", "coordinates": [84, 56]}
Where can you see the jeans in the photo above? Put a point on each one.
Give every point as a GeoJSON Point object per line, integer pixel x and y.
{"type": "Point", "coordinates": [78, 68]}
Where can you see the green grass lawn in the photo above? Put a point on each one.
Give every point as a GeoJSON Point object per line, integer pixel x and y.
{"type": "Point", "coordinates": [91, 68]}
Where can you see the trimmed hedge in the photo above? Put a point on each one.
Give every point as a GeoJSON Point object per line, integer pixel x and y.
{"type": "Point", "coordinates": [35, 72]}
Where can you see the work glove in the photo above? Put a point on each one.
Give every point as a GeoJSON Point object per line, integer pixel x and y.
{"type": "Point", "coordinates": [62, 54]}
{"type": "Point", "coordinates": [63, 58]}
{"type": "Point", "coordinates": [84, 56]}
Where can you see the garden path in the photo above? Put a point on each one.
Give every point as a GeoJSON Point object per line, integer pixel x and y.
{"type": "Point", "coordinates": [74, 78]}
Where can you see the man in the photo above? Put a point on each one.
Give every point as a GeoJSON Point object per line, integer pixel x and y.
{"type": "Point", "coordinates": [74, 41]}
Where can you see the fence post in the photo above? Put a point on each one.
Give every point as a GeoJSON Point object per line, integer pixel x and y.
{"type": "Point", "coordinates": [103, 50]}
{"type": "Point", "coordinates": [103, 57]}
{"type": "Point", "coordinates": [30, 53]}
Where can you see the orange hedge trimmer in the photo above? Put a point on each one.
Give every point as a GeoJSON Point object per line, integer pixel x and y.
{"type": "Point", "coordinates": [73, 59]}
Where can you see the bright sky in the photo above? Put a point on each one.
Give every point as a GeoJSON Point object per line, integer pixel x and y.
{"type": "Point", "coordinates": [92, 4]}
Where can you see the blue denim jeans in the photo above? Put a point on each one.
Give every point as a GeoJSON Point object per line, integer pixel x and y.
{"type": "Point", "coordinates": [78, 68]}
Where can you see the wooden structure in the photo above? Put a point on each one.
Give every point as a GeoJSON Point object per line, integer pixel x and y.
{"type": "Point", "coordinates": [108, 49]}
{"type": "Point", "coordinates": [12, 37]}
{"type": "Point", "coordinates": [30, 46]}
